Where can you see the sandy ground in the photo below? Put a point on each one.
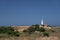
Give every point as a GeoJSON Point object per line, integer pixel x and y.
{"type": "Point", "coordinates": [30, 38]}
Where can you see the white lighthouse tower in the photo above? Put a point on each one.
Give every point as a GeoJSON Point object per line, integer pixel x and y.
{"type": "Point", "coordinates": [42, 22]}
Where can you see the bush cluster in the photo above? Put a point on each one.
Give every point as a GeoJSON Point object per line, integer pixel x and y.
{"type": "Point", "coordinates": [36, 27]}
{"type": "Point", "coordinates": [8, 31]}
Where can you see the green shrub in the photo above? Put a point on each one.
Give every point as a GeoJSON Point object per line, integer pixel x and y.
{"type": "Point", "coordinates": [2, 29]}
{"type": "Point", "coordinates": [9, 31]}
{"type": "Point", "coordinates": [41, 29]}
{"type": "Point", "coordinates": [46, 34]}
{"type": "Point", "coordinates": [9, 28]}
{"type": "Point", "coordinates": [6, 29]}
{"type": "Point", "coordinates": [24, 30]}
{"type": "Point", "coordinates": [31, 30]}
{"type": "Point", "coordinates": [36, 26]}
{"type": "Point", "coordinates": [17, 34]}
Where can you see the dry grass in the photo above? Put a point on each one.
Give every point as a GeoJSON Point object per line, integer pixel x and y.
{"type": "Point", "coordinates": [30, 38]}
{"type": "Point", "coordinates": [34, 36]}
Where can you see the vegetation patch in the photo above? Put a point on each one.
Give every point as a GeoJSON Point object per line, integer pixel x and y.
{"type": "Point", "coordinates": [9, 31]}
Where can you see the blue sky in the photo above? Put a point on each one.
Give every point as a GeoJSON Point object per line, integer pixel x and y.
{"type": "Point", "coordinates": [28, 12]}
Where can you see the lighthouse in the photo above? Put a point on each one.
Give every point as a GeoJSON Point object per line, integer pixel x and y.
{"type": "Point", "coordinates": [42, 22]}
{"type": "Point", "coordinates": [44, 25]}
